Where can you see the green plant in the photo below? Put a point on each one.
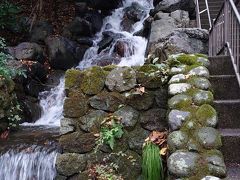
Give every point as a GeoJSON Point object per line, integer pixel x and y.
{"type": "Point", "coordinates": [8, 14]}
{"type": "Point", "coordinates": [111, 130]}
{"type": "Point", "coordinates": [152, 162]}
{"type": "Point", "coordinates": [5, 70]}
{"type": "Point", "coordinates": [13, 117]}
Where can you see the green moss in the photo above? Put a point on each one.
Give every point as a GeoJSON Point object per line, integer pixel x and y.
{"type": "Point", "coordinates": [190, 67]}
{"type": "Point", "coordinates": [205, 112]}
{"type": "Point", "coordinates": [93, 80]}
{"type": "Point", "coordinates": [201, 55]}
{"type": "Point", "coordinates": [73, 78]}
{"type": "Point", "coordinates": [188, 59]}
{"type": "Point", "coordinates": [109, 68]}
{"type": "Point", "coordinates": [179, 101]}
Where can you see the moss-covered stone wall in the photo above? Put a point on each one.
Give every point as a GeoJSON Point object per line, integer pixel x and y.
{"type": "Point", "coordinates": [194, 141]}
{"type": "Point", "coordinates": [136, 96]}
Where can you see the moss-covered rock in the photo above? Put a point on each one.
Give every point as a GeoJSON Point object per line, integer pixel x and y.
{"type": "Point", "coordinates": [69, 164]}
{"type": "Point", "coordinates": [179, 101]}
{"type": "Point", "coordinates": [200, 71]}
{"type": "Point", "coordinates": [107, 101]}
{"type": "Point", "coordinates": [75, 106]}
{"type": "Point", "coordinates": [93, 80]}
{"type": "Point", "coordinates": [180, 69]}
{"type": "Point", "coordinates": [177, 140]}
{"type": "Point", "coordinates": [176, 118]}
{"type": "Point", "coordinates": [200, 83]}
{"type": "Point", "coordinates": [203, 97]}
{"type": "Point", "coordinates": [188, 59]}
{"type": "Point", "coordinates": [121, 79]}
{"type": "Point", "coordinates": [178, 88]}
{"type": "Point", "coordinates": [177, 78]}
{"type": "Point", "coordinates": [73, 79]}
{"type": "Point", "coordinates": [207, 115]}
{"type": "Point", "coordinates": [203, 61]}
{"type": "Point", "coordinates": [149, 76]}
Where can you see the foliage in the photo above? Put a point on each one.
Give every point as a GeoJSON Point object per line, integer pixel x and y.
{"type": "Point", "coordinates": [111, 130]}
{"type": "Point", "coordinates": [6, 71]}
{"type": "Point", "coordinates": [152, 162]}
{"type": "Point", "coordinates": [8, 14]}
{"type": "Point", "coordinates": [13, 117]}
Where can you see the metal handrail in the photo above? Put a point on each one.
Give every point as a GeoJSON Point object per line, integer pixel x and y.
{"type": "Point", "coordinates": [224, 36]}
{"type": "Point", "coordinates": [198, 13]}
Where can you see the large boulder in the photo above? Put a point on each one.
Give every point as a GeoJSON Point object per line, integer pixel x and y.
{"type": "Point", "coordinates": [40, 31]}
{"type": "Point", "coordinates": [105, 5]}
{"type": "Point", "coordinates": [62, 52]}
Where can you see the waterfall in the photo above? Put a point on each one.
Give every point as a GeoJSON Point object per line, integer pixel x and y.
{"type": "Point", "coordinates": [28, 163]}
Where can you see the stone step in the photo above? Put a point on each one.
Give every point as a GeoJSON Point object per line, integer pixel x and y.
{"type": "Point", "coordinates": [221, 65]}
{"type": "Point", "coordinates": [231, 145]}
{"type": "Point", "coordinates": [233, 171]}
{"type": "Point", "coordinates": [228, 113]}
{"type": "Point", "coordinates": [225, 87]}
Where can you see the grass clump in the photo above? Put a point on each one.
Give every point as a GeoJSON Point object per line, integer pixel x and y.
{"type": "Point", "coordinates": [152, 162]}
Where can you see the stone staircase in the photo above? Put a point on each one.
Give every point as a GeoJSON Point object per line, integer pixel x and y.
{"type": "Point", "coordinates": [214, 7]}
{"type": "Point", "coordinates": [227, 103]}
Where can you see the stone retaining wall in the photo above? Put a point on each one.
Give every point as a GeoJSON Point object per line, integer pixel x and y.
{"type": "Point", "coordinates": [93, 95]}
{"type": "Point", "coordinates": [194, 142]}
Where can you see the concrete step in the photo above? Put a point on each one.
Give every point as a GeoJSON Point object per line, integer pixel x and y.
{"type": "Point", "coordinates": [225, 87]}
{"type": "Point", "coordinates": [233, 171]}
{"type": "Point", "coordinates": [228, 113]}
{"type": "Point", "coordinates": [231, 145]}
{"type": "Point", "coordinates": [221, 65]}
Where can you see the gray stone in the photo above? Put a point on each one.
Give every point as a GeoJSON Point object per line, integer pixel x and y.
{"type": "Point", "coordinates": [129, 116]}
{"type": "Point", "coordinates": [176, 118]}
{"type": "Point", "coordinates": [182, 18]}
{"type": "Point", "coordinates": [182, 164]}
{"type": "Point", "coordinates": [161, 98]}
{"type": "Point", "coordinates": [70, 163]}
{"type": "Point", "coordinates": [178, 88]}
{"type": "Point", "coordinates": [199, 71]}
{"type": "Point", "coordinates": [41, 30]}
{"type": "Point", "coordinates": [67, 126]}
{"type": "Point", "coordinates": [204, 61]}
{"type": "Point", "coordinates": [161, 15]}
{"type": "Point", "coordinates": [179, 101]}
{"type": "Point", "coordinates": [177, 140]}
{"type": "Point", "coordinates": [107, 101]}
{"type": "Point", "coordinates": [121, 79]}
{"type": "Point", "coordinates": [201, 83]}
{"type": "Point", "coordinates": [203, 97]}
{"type": "Point", "coordinates": [92, 121]}
{"type": "Point", "coordinates": [210, 178]}
{"type": "Point", "coordinates": [136, 139]}
{"type": "Point", "coordinates": [209, 138]}
{"type": "Point", "coordinates": [216, 165]}
{"type": "Point", "coordinates": [178, 70]}
{"type": "Point", "coordinates": [154, 120]}
{"type": "Point", "coordinates": [177, 78]}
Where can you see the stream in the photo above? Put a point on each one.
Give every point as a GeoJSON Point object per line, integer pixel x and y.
{"type": "Point", "coordinates": [30, 153]}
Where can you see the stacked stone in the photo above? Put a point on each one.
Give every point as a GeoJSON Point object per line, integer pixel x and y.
{"type": "Point", "coordinates": [95, 93]}
{"type": "Point", "coordinates": [194, 141]}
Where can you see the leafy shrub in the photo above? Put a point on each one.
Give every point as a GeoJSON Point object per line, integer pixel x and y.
{"type": "Point", "coordinates": [152, 162]}
{"type": "Point", "coordinates": [8, 14]}
{"type": "Point", "coordinates": [6, 71]}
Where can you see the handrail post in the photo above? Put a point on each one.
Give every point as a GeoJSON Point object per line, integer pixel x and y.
{"type": "Point", "coordinates": [225, 24]}
{"type": "Point", "coordinates": [198, 14]}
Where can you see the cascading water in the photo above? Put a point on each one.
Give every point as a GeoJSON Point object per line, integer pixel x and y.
{"type": "Point", "coordinates": [37, 162]}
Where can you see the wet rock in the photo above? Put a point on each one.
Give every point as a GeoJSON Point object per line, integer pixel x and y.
{"type": "Point", "coordinates": [177, 140]}
{"type": "Point", "coordinates": [209, 138]}
{"type": "Point", "coordinates": [177, 78]}
{"type": "Point", "coordinates": [203, 97]}
{"type": "Point", "coordinates": [104, 5]}
{"type": "Point", "coordinates": [178, 88]}
{"type": "Point", "coordinates": [33, 88]}
{"type": "Point", "coordinates": [67, 126]}
{"type": "Point", "coordinates": [62, 52]}
{"type": "Point", "coordinates": [93, 80]}
{"type": "Point", "coordinates": [207, 115]}
{"type": "Point", "coordinates": [70, 163]}
{"type": "Point", "coordinates": [216, 164]}
{"type": "Point", "coordinates": [85, 41]}
{"type": "Point", "coordinates": [199, 71]}
{"type": "Point", "coordinates": [77, 142]}
{"type": "Point", "coordinates": [37, 71]}
{"type": "Point", "coordinates": [129, 117]}
{"type": "Point", "coordinates": [182, 164]}
{"type": "Point", "coordinates": [107, 101]}
{"type": "Point", "coordinates": [136, 138]}
{"type": "Point", "coordinates": [140, 102]}
{"type": "Point", "coordinates": [54, 78]}
{"type": "Point", "coordinates": [104, 43]}
{"type": "Point", "coordinates": [123, 47]}
{"type": "Point", "coordinates": [40, 31]}
{"type": "Point", "coordinates": [92, 121]}
{"type": "Point", "coordinates": [161, 98]}
{"type": "Point", "coordinates": [200, 82]}
{"type": "Point", "coordinates": [27, 51]}
{"type": "Point", "coordinates": [96, 20]}
{"type": "Point", "coordinates": [154, 120]}
{"type": "Point", "coordinates": [106, 60]}
{"type": "Point", "coordinates": [75, 107]}
{"type": "Point", "coordinates": [179, 101]}
{"type": "Point", "coordinates": [176, 118]}
{"type": "Point", "coordinates": [121, 79]}
{"type": "Point", "coordinates": [149, 76]}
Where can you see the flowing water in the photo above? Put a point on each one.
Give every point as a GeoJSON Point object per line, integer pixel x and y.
{"type": "Point", "coordinates": [30, 153]}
